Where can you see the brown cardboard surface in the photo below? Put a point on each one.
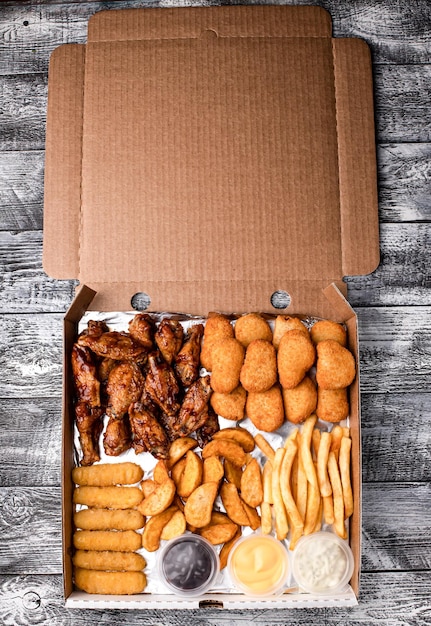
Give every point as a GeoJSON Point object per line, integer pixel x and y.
{"type": "Point", "coordinates": [210, 157]}
{"type": "Point", "coordinates": [226, 152]}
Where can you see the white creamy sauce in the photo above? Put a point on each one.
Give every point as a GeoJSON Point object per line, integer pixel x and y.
{"type": "Point", "coordinates": [321, 564]}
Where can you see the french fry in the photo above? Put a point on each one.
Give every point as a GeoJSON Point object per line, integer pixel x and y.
{"type": "Point", "coordinates": [322, 465]}
{"type": "Point", "coordinates": [318, 525]}
{"type": "Point", "coordinates": [306, 435]}
{"type": "Point", "coordinates": [294, 477]}
{"type": "Point", "coordinates": [336, 436]}
{"type": "Point", "coordinates": [346, 431]}
{"type": "Point", "coordinates": [266, 518]}
{"type": "Point", "coordinates": [267, 482]}
{"type": "Point", "coordinates": [264, 447]}
{"type": "Point", "coordinates": [344, 465]}
{"type": "Point", "coordinates": [302, 486]}
{"type": "Point", "coordinates": [337, 492]}
{"type": "Point", "coordinates": [328, 509]}
{"type": "Point", "coordinates": [296, 521]}
{"type": "Point", "coordinates": [313, 507]}
{"type": "Point", "coordinates": [281, 523]}
{"type": "Point", "coordinates": [315, 440]}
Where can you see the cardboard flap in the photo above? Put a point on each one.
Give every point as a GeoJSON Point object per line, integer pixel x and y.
{"type": "Point", "coordinates": [196, 22]}
{"type": "Point", "coordinates": [62, 190]}
{"type": "Point", "coordinates": [356, 156]}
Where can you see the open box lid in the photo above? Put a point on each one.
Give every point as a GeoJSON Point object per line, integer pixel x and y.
{"type": "Point", "coordinates": [210, 157]}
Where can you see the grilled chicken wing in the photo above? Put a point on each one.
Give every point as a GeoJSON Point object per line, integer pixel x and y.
{"type": "Point", "coordinates": [211, 425]}
{"type": "Point", "coordinates": [142, 328]}
{"type": "Point", "coordinates": [188, 358]}
{"type": "Point", "coordinates": [161, 385]}
{"type": "Point", "coordinates": [113, 344]}
{"type": "Point", "coordinates": [88, 410]}
{"type": "Point", "coordinates": [169, 339]}
{"type": "Point", "coordinates": [125, 385]}
{"type": "Point", "coordinates": [147, 432]}
{"type": "Point", "coordinates": [194, 409]}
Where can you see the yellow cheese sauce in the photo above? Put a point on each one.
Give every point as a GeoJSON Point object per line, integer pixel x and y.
{"type": "Point", "coordinates": [259, 564]}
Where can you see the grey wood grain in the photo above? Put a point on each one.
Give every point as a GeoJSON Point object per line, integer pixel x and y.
{"type": "Point", "coordinates": [396, 33]}
{"type": "Point", "coordinates": [395, 352]}
{"type": "Point", "coordinates": [21, 190]}
{"type": "Point", "coordinates": [396, 528]}
{"type": "Point", "coordinates": [395, 439]}
{"type": "Point", "coordinates": [402, 94]}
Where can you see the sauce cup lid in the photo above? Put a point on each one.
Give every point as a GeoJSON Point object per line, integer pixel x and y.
{"type": "Point", "coordinates": [259, 565]}
{"type": "Point", "coordinates": [188, 565]}
{"type": "Point", "coordinates": [322, 563]}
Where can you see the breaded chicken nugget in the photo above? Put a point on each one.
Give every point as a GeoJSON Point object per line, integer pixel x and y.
{"type": "Point", "coordinates": [110, 583]}
{"type": "Point", "coordinates": [250, 327]}
{"type": "Point", "coordinates": [107, 519]}
{"type": "Point", "coordinates": [327, 329]}
{"type": "Point", "coordinates": [332, 404]}
{"type": "Point", "coordinates": [106, 474]}
{"type": "Point", "coordinates": [217, 327]}
{"type": "Point", "coordinates": [259, 371]}
{"type": "Point", "coordinates": [300, 402]}
{"type": "Point", "coordinates": [101, 540]}
{"type": "Point", "coordinates": [335, 365]}
{"type": "Point", "coordinates": [296, 355]}
{"type": "Point", "coordinates": [265, 409]}
{"type": "Point", "coordinates": [283, 323]}
{"type": "Point", "coordinates": [227, 359]}
{"type": "Point", "coordinates": [108, 497]}
{"type": "Point", "coordinates": [230, 405]}
{"type": "Point", "coordinates": [106, 560]}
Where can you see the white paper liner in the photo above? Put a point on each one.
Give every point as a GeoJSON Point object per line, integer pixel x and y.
{"type": "Point", "coordinates": [119, 321]}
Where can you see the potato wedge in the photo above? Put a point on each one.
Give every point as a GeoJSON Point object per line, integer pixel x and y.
{"type": "Point", "coordinates": [227, 449]}
{"type": "Point", "coordinates": [199, 505]}
{"type": "Point", "coordinates": [177, 470]}
{"type": "Point", "coordinates": [239, 435]}
{"type": "Point", "coordinates": [251, 484]}
{"type": "Point", "coordinates": [191, 477]}
{"type": "Point", "coordinates": [148, 486]}
{"type": "Point", "coordinates": [219, 533]}
{"type": "Point", "coordinates": [213, 470]}
{"type": "Point", "coordinates": [175, 527]}
{"type": "Point", "coordinates": [253, 516]}
{"type": "Point", "coordinates": [233, 504]}
{"type": "Point", "coordinates": [160, 472]}
{"type": "Point", "coordinates": [154, 528]}
{"type": "Point", "coordinates": [224, 552]}
{"type": "Point", "coordinates": [179, 448]}
{"type": "Point", "coordinates": [232, 473]}
{"type": "Point", "coordinates": [159, 500]}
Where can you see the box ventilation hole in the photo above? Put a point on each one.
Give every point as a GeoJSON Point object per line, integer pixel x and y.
{"type": "Point", "coordinates": [140, 301]}
{"type": "Point", "coordinates": [280, 299]}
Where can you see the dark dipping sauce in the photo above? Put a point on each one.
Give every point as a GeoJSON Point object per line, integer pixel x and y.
{"type": "Point", "coordinates": [189, 564]}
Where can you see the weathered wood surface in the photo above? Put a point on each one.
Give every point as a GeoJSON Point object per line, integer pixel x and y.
{"type": "Point", "coordinates": [393, 306]}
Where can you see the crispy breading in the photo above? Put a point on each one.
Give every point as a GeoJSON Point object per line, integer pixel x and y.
{"type": "Point", "coordinates": [259, 371]}
{"type": "Point", "coordinates": [300, 402]}
{"type": "Point", "coordinates": [335, 365]}
{"type": "Point", "coordinates": [265, 409]}
{"type": "Point", "coordinates": [296, 355]}
{"type": "Point", "coordinates": [332, 404]}
{"type": "Point", "coordinates": [250, 327]}
{"type": "Point", "coordinates": [327, 329]}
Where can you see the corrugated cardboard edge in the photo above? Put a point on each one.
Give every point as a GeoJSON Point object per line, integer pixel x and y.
{"type": "Point", "coordinates": [62, 186]}
{"type": "Point", "coordinates": [356, 156]}
{"type": "Point", "coordinates": [339, 309]}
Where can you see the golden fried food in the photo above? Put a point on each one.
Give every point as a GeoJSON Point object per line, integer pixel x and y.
{"type": "Point", "coordinates": [107, 474]}
{"type": "Point", "coordinates": [175, 527]}
{"type": "Point", "coordinates": [154, 528]}
{"type": "Point", "coordinates": [300, 401]}
{"type": "Point", "coordinates": [238, 434]}
{"type": "Point", "coordinates": [191, 476]}
{"type": "Point", "coordinates": [199, 505]}
{"type": "Point", "coordinates": [217, 328]}
{"type": "Point", "coordinates": [231, 405]}
{"type": "Point", "coordinates": [111, 540]}
{"type": "Point", "coordinates": [227, 359]}
{"type": "Point", "coordinates": [227, 449]}
{"type": "Point", "coordinates": [108, 560]}
{"type": "Point", "coordinates": [335, 365]}
{"type": "Point", "coordinates": [179, 448]}
{"type": "Point", "coordinates": [259, 371]}
{"type": "Point", "coordinates": [233, 504]}
{"type": "Point", "coordinates": [265, 409]}
{"type": "Point", "coordinates": [110, 583]}
{"type": "Point", "coordinates": [227, 547]}
{"type": "Point", "coordinates": [108, 519]}
{"type": "Point", "coordinates": [250, 327]}
{"type": "Point", "coordinates": [213, 470]}
{"type": "Point", "coordinates": [296, 355]}
{"type": "Point", "coordinates": [232, 473]}
{"type": "Point", "coordinates": [332, 404]}
{"type": "Point", "coordinates": [159, 500]}
{"type": "Point", "coordinates": [284, 323]}
{"type": "Point", "coordinates": [327, 329]}
{"type": "Point", "coordinates": [251, 484]}
{"type": "Point", "coordinates": [108, 497]}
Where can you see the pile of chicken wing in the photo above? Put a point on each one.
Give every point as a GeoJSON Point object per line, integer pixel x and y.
{"type": "Point", "coordinates": [147, 381]}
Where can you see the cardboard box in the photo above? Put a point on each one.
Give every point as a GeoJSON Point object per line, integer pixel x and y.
{"type": "Point", "coordinates": [210, 158]}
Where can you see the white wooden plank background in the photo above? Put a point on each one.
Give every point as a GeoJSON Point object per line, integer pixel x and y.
{"type": "Point", "coordinates": [393, 306]}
